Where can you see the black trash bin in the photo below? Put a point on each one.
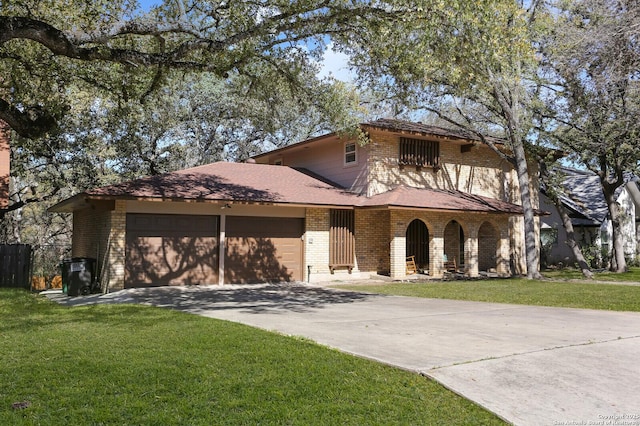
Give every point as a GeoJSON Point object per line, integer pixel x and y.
{"type": "Point", "coordinates": [78, 275]}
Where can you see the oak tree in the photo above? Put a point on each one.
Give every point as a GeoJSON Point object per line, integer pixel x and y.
{"type": "Point", "coordinates": [47, 46]}
{"type": "Point", "coordinates": [593, 56]}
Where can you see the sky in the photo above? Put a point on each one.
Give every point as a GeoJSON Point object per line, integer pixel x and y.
{"type": "Point", "coordinates": [146, 4]}
{"type": "Point", "coordinates": [336, 64]}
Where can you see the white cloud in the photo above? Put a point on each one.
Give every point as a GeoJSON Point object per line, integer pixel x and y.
{"type": "Point", "coordinates": [335, 64]}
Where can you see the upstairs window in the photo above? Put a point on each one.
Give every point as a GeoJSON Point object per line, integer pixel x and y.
{"type": "Point", "coordinates": [419, 153]}
{"type": "Point", "coordinates": [350, 153]}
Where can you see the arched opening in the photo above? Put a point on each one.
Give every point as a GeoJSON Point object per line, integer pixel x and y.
{"type": "Point", "coordinates": [453, 245]}
{"type": "Point", "coordinates": [417, 243]}
{"type": "Point", "coordinates": [487, 247]}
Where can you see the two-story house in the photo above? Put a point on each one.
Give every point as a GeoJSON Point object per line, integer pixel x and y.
{"type": "Point", "coordinates": [322, 209]}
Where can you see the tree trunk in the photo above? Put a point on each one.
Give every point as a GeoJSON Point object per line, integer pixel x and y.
{"type": "Point", "coordinates": [509, 99]}
{"type": "Point", "coordinates": [637, 242]}
{"type": "Point", "coordinates": [571, 240]}
{"type": "Point", "coordinates": [531, 251]}
{"type": "Point", "coordinates": [618, 263]}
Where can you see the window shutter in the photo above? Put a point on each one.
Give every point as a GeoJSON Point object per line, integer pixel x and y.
{"type": "Point", "coordinates": [420, 153]}
{"type": "Point", "coordinates": [341, 238]}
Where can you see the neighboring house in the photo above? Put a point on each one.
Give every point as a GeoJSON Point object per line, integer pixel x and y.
{"type": "Point", "coordinates": [326, 208]}
{"type": "Point", "coordinates": [590, 218]}
{"type": "Point", "coordinates": [5, 158]}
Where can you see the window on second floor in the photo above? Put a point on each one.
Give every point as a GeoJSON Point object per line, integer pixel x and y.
{"type": "Point", "coordinates": [418, 152]}
{"type": "Point", "coordinates": [350, 153]}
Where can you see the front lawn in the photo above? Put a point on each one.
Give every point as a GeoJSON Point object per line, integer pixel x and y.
{"type": "Point", "coordinates": [567, 294]}
{"type": "Point", "coordinates": [129, 364]}
{"type": "Point", "coordinates": [633, 275]}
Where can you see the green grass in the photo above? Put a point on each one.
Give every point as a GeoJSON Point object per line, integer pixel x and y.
{"type": "Point", "coordinates": [633, 275]}
{"type": "Point", "coordinates": [128, 364]}
{"type": "Point", "coordinates": [567, 294]}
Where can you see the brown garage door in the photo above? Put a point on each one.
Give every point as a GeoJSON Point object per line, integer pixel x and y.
{"type": "Point", "coordinates": [165, 249]}
{"type": "Point", "coordinates": [260, 249]}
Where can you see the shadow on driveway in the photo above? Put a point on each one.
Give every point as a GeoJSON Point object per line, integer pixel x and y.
{"type": "Point", "coordinates": [260, 298]}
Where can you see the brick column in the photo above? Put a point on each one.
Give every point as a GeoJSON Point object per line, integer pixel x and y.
{"type": "Point", "coordinates": [316, 251]}
{"type": "Point", "coordinates": [503, 253]}
{"type": "Point", "coordinates": [398, 247]}
{"type": "Point", "coordinates": [116, 249]}
{"type": "Point", "coordinates": [372, 241]}
{"type": "Point", "coordinates": [471, 250]}
{"type": "Point", "coordinates": [436, 254]}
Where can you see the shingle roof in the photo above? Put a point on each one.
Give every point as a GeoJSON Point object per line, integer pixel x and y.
{"type": "Point", "coordinates": [261, 183]}
{"type": "Point", "coordinates": [394, 125]}
{"type": "Point", "coordinates": [585, 197]}
{"type": "Point", "coordinates": [425, 129]}
{"type": "Point", "coordinates": [233, 182]}
{"type": "Point", "coordinates": [439, 199]}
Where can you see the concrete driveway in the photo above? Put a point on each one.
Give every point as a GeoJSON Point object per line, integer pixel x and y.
{"type": "Point", "coordinates": [529, 365]}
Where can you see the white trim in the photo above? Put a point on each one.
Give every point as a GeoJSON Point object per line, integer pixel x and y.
{"type": "Point", "coordinates": [345, 153]}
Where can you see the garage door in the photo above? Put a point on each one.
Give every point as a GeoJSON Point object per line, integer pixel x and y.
{"type": "Point", "coordinates": [262, 249]}
{"type": "Point", "coordinates": [163, 249]}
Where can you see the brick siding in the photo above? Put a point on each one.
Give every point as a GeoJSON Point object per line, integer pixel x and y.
{"type": "Point", "coordinates": [488, 238]}
{"type": "Point", "coordinates": [316, 252]}
{"type": "Point", "coordinates": [373, 241]}
{"type": "Point", "coordinates": [479, 171]}
{"type": "Point", "coordinates": [441, 238]}
{"type": "Point", "coordinates": [117, 244]}
{"type": "Point", "coordinates": [381, 242]}
{"type": "Point", "coordinates": [99, 233]}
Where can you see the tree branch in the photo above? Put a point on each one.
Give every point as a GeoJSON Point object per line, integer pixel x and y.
{"type": "Point", "coordinates": [59, 44]}
{"type": "Point", "coordinates": [23, 202]}
{"type": "Point", "coordinates": [30, 122]}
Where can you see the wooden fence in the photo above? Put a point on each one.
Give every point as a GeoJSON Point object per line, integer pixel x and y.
{"type": "Point", "coordinates": [15, 265]}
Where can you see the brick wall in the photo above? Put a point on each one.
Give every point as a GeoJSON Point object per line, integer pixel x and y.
{"type": "Point", "coordinates": [488, 238]}
{"type": "Point", "coordinates": [372, 248]}
{"type": "Point", "coordinates": [316, 250]}
{"type": "Point", "coordinates": [117, 243]}
{"type": "Point", "coordinates": [452, 243]}
{"type": "Point", "coordinates": [479, 171]}
{"type": "Point", "coordinates": [89, 226]}
{"type": "Point", "coordinates": [5, 158]}
{"type": "Point", "coordinates": [373, 241]}
{"type": "Point", "coordinates": [99, 233]}
{"type": "Point", "coordinates": [443, 235]}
